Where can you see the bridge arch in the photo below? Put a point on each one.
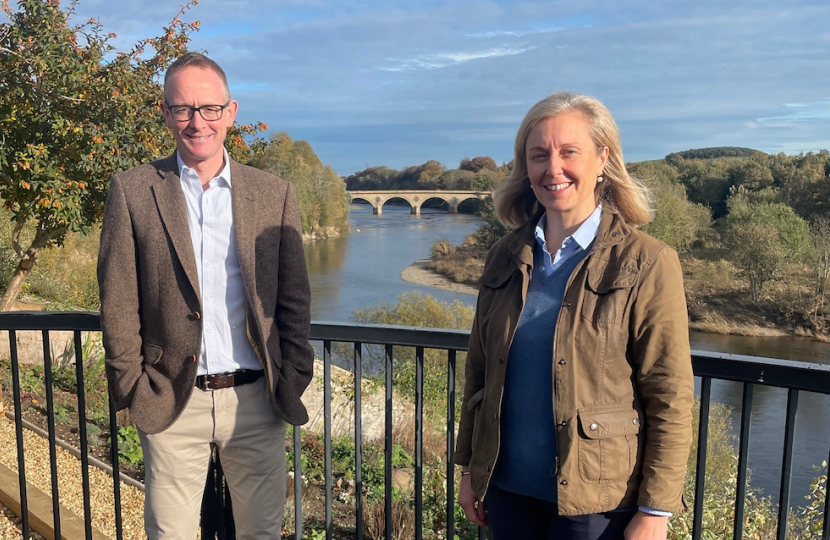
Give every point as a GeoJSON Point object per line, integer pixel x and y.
{"type": "Point", "coordinates": [415, 198]}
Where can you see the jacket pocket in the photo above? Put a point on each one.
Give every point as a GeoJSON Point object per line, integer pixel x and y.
{"type": "Point", "coordinates": [606, 295]}
{"type": "Point", "coordinates": [152, 353]}
{"type": "Point", "coordinates": [608, 441]}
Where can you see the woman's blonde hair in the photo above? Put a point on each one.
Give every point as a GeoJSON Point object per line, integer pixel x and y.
{"type": "Point", "coordinates": [515, 202]}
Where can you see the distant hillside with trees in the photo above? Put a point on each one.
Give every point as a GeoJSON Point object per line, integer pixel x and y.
{"type": "Point", "coordinates": [713, 152]}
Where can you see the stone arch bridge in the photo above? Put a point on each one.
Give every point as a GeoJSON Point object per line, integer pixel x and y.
{"type": "Point", "coordinates": [416, 198]}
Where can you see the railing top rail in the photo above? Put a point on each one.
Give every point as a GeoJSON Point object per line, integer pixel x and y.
{"type": "Point", "coordinates": [733, 367]}
{"type": "Point", "coordinates": [760, 370]}
{"type": "Point", "coordinates": [50, 320]}
{"type": "Point", "coordinates": [384, 334]}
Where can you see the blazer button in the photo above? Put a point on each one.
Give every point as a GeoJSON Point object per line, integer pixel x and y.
{"type": "Point", "coordinates": [562, 362]}
{"type": "Point", "coordinates": [197, 315]}
{"type": "Point", "coordinates": [563, 482]}
{"type": "Point", "coordinates": [594, 427]}
{"type": "Point", "coordinates": [192, 358]}
{"type": "Point", "coordinates": [501, 360]}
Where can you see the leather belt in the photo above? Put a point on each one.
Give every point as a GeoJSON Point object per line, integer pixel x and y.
{"type": "Point", "coordinates": [227, 380]}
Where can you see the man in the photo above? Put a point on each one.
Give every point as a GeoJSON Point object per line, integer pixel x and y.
{"type": "Point", "coordinates": [205, 313]}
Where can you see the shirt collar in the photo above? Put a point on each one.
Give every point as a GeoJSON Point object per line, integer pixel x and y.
{"type": "Point", "coordinates": [583, 236]}
{"type": "Point", "coordinates": [186, 172]}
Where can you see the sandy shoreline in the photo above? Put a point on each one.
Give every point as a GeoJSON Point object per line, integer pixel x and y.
{"type": "Point", "coordinates": [418, 274]}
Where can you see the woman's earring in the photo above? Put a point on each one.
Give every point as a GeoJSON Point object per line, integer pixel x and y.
{"type": "Point", "coordinates": [600, 178]}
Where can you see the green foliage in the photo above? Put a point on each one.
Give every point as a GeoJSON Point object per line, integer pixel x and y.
{"type": "Point", "coordinates": [490, 229]}
{"type": "Point", "coordinates": [760, 512]}
{"type": "Point", "coordinates": [320, 191]}
{"type": "Point", "coordinates": [677, 221]}
{"type": "Point", "coordinates": [72, 114]}
{"type": "Point", "coordinates": [129, 446]}
{"type": "Point", "coordinates": [756, 249]}
{"type": "Point", "coordinates": [416, 309]}
{"type": "Point", "coordinates": [792, 231]}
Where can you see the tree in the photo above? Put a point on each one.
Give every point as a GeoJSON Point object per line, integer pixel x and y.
{"type": "Point", "coordinates": [755, 248]}
{"type": "Point", "coordinates": [478, 163]}
{"type": "Point", "coordinates": [321, 192]}
{"type": "Point", "coordinates": [752, 175]}
{"type": "Point", "coordinates": [72, 114]}
{"type": "Point", "coordinates": [677, 221]}
{"type": "Point", "coordinates": [759, 207]}
{"type": "Point", "coordinates": [820, 239]}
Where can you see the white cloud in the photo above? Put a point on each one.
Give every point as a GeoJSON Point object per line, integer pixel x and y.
{"type": "Point", "coordinates": [441, 60]}
{"type": "Point", "coordinates": [803, 112]}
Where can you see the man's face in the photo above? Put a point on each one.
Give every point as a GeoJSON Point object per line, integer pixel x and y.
{"type": "Point", "coordinates": [199, 142]}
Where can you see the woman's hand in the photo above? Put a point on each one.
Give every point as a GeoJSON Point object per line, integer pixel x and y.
{"type": "Point", "coordinates": [644, 526]}
{"type": "Point", "coordinates": [473, 508]}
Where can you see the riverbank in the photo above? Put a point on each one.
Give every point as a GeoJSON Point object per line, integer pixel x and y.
{"type": "Point", "coordinates": [418, 273]}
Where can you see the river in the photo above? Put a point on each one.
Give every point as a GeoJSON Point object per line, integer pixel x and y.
{"type": "Point", "coordinates": [362, 269]}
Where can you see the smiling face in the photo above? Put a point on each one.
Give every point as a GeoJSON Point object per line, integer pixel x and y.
{"type": "Point", "coordinates": [563, 165]}
{"type": "Point", "coordinates": [198, 141]}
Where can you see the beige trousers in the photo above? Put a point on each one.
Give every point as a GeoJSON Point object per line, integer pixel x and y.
{"type": "Point", "coordinates": [250, 438]}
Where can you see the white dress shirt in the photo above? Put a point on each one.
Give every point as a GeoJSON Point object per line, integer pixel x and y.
{"type": "Point", "coordinates": [225, 344]}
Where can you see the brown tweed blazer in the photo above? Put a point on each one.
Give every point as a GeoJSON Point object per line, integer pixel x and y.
{"type": "Point", "coordinates": [150, 299]}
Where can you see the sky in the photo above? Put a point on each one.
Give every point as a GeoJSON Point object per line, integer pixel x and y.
{"type": "Point", "coordinates": [397, 83]}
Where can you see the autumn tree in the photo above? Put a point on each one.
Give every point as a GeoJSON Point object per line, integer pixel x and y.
{"type": "Point", "coordinates": [321, 192]}
{"type": "Point", "coordinates": [75, 111]}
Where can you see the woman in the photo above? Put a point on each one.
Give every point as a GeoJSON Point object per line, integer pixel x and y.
{"type": "Point", "coordinates": [576, 419]}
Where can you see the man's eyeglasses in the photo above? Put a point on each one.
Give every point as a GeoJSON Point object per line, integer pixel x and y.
{"type": "Point", "coordinates": [210, 113]}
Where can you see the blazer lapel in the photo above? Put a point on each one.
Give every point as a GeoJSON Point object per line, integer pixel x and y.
{"type": "Point", "coordinates": [171, 205]}
{"type": "Point", "coordinates": [243, 196]}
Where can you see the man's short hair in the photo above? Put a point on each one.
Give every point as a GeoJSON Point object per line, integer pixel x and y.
{"type": "Point", "coordinates": [197, 60]}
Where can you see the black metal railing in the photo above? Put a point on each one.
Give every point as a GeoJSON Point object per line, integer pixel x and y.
{"type": "Point", "coordinates": [796, 377]}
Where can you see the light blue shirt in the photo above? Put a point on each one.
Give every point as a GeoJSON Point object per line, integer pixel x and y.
{"type": "Point", "coordinates": [225, 345]}
{"type": "Point", "coordinates": [581, 238]}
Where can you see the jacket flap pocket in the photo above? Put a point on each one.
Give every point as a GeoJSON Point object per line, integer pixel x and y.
{"type": "Point", "coordinates": [602, 282]}
{"type": "Point", "coordinates": [152, 353]}
{"type": "Point", "coordinates": [603, 423]}
{"type": "Point", "coordinates": [496, 276]}
{"type": "Point", "coordinates": [475, 400]}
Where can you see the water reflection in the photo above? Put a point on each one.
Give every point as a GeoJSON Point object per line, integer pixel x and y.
{"type": "Point", "coordinates": [362, 269]}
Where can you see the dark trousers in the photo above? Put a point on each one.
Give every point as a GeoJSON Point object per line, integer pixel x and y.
{"type": "Point", "coordinates": [517, 517]}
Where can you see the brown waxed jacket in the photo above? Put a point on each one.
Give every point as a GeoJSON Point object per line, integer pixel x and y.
{"type": "Point", "coordinates": [622, 377]}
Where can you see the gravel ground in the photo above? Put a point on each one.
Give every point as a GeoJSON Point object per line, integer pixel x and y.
{"type": "Point", "coordinates": [10, 526]}
{"type": "Point", "coordinates": [36, 451]}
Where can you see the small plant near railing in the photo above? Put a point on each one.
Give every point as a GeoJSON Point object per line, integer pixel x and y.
{"type": "Point", "coordinates": [129, 446]}
{"type": "Point", "coordinates": [319, 534]}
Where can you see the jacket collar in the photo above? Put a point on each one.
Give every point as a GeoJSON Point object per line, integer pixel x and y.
{"type": "Point", "coordinates": [612, 230]}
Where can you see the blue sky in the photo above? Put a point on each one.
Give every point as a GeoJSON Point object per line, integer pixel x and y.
{"type": "Point", "coordinates": [371, 82]}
